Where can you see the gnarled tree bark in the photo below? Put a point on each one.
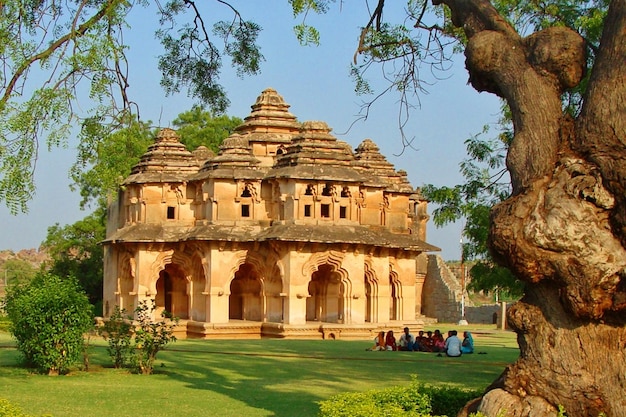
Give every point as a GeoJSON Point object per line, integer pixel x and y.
{"type": "Point", "coordinates": [563, 231]}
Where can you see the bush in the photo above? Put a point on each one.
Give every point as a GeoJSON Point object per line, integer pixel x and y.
{"type": "Point", "coordinates": [414, 400]}
{"type": "Point", "coordinates": [118, 333]}
{"type": "Point", "coordinates": [388, 402]}
{"type": "Point", "coordinates": [447, 400]}
{"type": "Point", "coordinates": [49, 316]}
{"type": "Point", "coordinates": [9, 410]}
{"type": "Point", "coordinates": [151, 336]}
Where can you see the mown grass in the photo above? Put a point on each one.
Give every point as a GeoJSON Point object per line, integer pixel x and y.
{"type": "Point", "coordinates": [269, 377]}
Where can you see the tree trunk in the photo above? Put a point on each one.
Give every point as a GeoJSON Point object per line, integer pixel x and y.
{"type": "Point", "coordinates": [563, 230]}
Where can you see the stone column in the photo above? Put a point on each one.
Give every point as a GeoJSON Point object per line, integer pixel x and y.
{"type": "Point", "coordinates": [297, 287]}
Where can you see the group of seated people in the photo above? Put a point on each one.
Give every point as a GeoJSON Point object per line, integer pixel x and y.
{"type": "Point", "coordinates": [426, 342]}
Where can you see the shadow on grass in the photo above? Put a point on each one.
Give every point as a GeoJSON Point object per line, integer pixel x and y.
{"type": "Point", "coordinates": [269, 377]}
{"type": "Point", "coordinates": [281, 376]}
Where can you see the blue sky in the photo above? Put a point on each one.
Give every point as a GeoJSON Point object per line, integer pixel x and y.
{"type": "Point", "coordinates": [315, 82]}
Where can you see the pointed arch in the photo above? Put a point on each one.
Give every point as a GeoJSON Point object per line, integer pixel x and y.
{"type": "Point", "coordinates": [249, 302]}
{"type": "Point", "coordinates": [330, 257]}
{"type": "Point", "coordinates": [182, 259]}
{"type": "Point", "coordinates": [371, 292]}
{"type": "Point", "coordinates": [395, 295]}
{"type": "Point", "coordinates": [127, 284]}
{"type": "Point", "coordinates": [330, 288]}
{"type": "Point", "coordinates": [173, 283]}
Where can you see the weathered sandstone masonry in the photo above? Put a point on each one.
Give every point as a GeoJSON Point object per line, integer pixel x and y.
{"type": "Point", "coordinates": [287, 232]}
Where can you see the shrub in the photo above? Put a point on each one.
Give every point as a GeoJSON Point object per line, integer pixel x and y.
{"type": "Point", "coordinates": [414, 400]}
{"type": "Point", "coordinates": [448, 400]}
{"type": "Point", "coordinates": [118, 332]}
{"type": "Point", "coordinates": [151, 336]}
{"type": "Point", "coordinates": [10, 410]}
{"type": "Point", "coordinates": [388, 402]}
{"type": "Point", "coordinates": [49, 316]}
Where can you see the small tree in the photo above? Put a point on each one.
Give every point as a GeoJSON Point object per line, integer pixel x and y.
{"type": "Point", "coordinates": [49, 317]}
{"type": "Point", "coordinates": [118, 332]}
{"type": "Point", "coordinates": [151, 336]}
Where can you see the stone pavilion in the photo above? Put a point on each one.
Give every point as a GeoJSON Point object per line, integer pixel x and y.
{"type": "Point", "coordinates": [287, 232]}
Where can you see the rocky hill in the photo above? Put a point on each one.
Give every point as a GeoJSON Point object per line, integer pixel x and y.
{"type": "Point", "coordinates": [34, 257]}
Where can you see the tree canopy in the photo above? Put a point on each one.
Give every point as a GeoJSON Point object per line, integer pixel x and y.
{"type": "Point", "coordinates": [64, 64]}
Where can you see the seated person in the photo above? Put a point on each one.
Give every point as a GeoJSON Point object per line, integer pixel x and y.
{"type": "Point", "coordinates": [390, 341]}
{"type": "Point", "coordinates": [453, 344]}
{"type": "Point", "coordinates": [379, 342]}
{"type": "Point", "coordinates": [467, 346]}
{"type": "Point", "coordinates": [406, 340]}
{"type": "Point", "coordinates": [428, 344]}
{"type": "Point", "coordinates": [419, 342]}
{"type": "Point", "coordinates": [438, 342]}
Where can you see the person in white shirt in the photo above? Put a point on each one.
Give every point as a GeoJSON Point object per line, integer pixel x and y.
{"type": "Point", "coordinates": [453, 344]}
{"type": "Point", "coordinates": [407, 342]}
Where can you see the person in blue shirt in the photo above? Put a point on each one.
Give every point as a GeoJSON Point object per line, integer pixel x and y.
{"type": "Point", "coordinates": [467, 346]}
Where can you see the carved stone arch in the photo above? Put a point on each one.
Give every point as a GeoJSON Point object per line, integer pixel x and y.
{"type": "Point", "coordinates": [395, 294]}
{"type": "Point", "coordinates": [127, 283]}
{"type": "Point", "coordinates": [246, 287]}
{"type": "Point", "coordinates": [248, 189]}
{"type": "Point", "coordinates": [370, 272]}
{"type": "Point", "coordinates": [201, 256]}
{"type": "Point", "coordinates": [240, 257]}
{"type": "Point", "coordinates": [329, 299]}
{"type": "Point", "coordinates": [172, 285]}
{"type": "Point", "coordinates": [334, 258]}
{"type": "Point", "coordinates": [371, 286]}
{"type": "Point", "coordinates": [184, 260]}
{"type": "Point", "coordinates": [267, 265]}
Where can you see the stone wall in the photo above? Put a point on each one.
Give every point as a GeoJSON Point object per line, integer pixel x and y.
{"type": "Point", "coordinates": [441, 295]}
{"type": "Point", "coordinates": [483, 314]}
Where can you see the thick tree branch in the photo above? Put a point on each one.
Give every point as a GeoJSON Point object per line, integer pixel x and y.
{"type": "Point", "coordinates": [601, 128]}
{"type": "Point", "coordinates": [529, 74]}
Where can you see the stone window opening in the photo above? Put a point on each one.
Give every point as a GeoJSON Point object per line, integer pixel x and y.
{"type": "Point", "coordinates": [245, 210]}
{"type": "Point", "coordinates": [325, 210]}
{"type": "Point", "coordinates": [328, 190]}
{"type": "Point", "coordinates": [345, 192]}
{"type": "Point", "coordinates": [309, 190]}
{"type": "Point", "coordinates": [246, 192]}
{"type": "Point", "coordinates": [343, 212]}
{"type": "Point", "coordinates": [171, 212]}
{"type": "Point", "coordinates": [307, 210]}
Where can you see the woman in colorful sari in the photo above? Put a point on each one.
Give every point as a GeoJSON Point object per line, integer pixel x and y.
{"type": "Point", "coordinates": [390, 341]}
{"type": "Point", "coordinates": [468, 343]}
{"type": "Point", "coordinates": [379, 342]}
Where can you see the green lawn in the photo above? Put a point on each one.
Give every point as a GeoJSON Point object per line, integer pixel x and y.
{"type": "Point", "coordinates": [269, 377]}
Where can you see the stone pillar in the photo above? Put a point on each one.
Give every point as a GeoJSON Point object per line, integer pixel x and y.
{"type": "Point", "coordinates": [295, 309]}
{"type": "Point", "coordinates": [421, 265]}
{"type": "Point", "coordinates": [354, 303]}
{"type": "Point", "coordinates": [217, 306]}
{"type": "Point", "coordinates": [407, 276]}
{"type": "Point", "coordinates": [297, 286]}
{"type": "Point", "coordinates": [503, 315]}
{"type": "Point", "coordinates": [218, 284]}
{"type": "Point", "coordinates": [380, 266]}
